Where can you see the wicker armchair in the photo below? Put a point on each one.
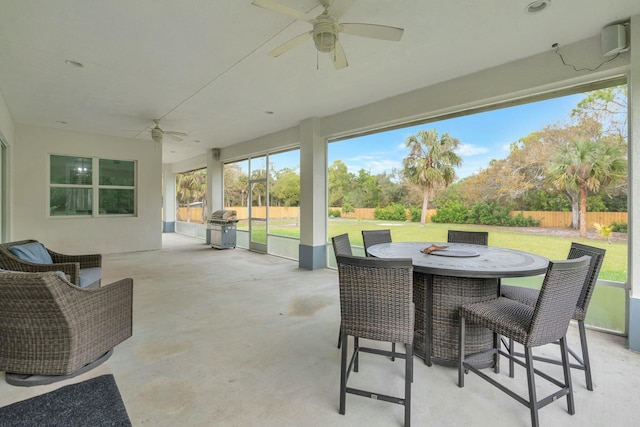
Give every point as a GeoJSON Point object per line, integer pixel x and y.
{"type": "Point", "coordinates": [52, 330]}
{"type": "Point", "coordinates": [70, 265]}
{"type": "Point", "coordinates": [529, 296]}
{"type": "Point", "coordinates": [341, 246]}
{"type": "Point", "coordinates": [473, 237]}
{"type": "Point", "coordinates": [374, 237]}
{"type": "Point", "coordinates": [545, 323]}
{"type": "Point", "coordinates": [376, 303]}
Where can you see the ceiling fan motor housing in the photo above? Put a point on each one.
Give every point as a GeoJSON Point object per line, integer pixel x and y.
{"type": "Point", "coordinates": [325, 33]}
{"type": "Point", "coordinates": [156, 134]}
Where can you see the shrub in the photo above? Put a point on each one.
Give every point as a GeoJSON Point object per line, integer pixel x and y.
{"type": "Point", "coordinates": [392, 212]}
{"type": "Point", "coordinates": [489, 214]}
{"type": "Point", "coordinates": [347, 207]}
{"type": "Point", "coordinates": [334, 213]}
{"type": "Point", "coordinates": [619, 227]}
{"type": "Point", "coordinates": [415, 214]}
{"type": "Point", "coordinates": [520, 221]}
{"type": "Point", "coordinates": [451, 212]}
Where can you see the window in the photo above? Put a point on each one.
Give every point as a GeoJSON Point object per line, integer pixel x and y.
{"type": "Point", "coordinates": [86, 186]}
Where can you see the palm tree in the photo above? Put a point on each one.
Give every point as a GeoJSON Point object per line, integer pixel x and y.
{"type": "Point", "coordinates": [587, 165]}
{"type": "Point", "coordinates": [430, 163]}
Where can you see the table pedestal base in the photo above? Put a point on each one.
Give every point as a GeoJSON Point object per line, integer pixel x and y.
{"type": "Point", "coordinates": [437, 300]}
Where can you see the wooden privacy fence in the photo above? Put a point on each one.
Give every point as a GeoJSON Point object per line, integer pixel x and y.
{"type": "Point", "coordinates": [547, 219]}
{"type": "Point", "coordinates": [563, 219]}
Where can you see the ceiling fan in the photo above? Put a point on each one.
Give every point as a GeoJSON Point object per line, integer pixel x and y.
{"type": "Point", "coordinates": [327, 28]}
{"type": "Point", "coordinates": [158, 134]}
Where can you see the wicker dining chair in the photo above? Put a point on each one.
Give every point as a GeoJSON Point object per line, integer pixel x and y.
{"type": "Point", "coordinates": [376, 303]}
{"type": "Point", "coordinates": [530, 296]}
{"type": "Point", "coordinates": [545, 323]}
{"type": "Point", "coordinates": [374, 237]}
{"type": "Point", "coordinates": [341, 246]}
{"type": "Point", "coordinates": [472, 237]}
{"type": "Point", "coordinates": [51, 330]}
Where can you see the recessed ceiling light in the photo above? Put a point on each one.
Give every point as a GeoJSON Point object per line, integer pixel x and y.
{"type": "Point", "coordinates": [537, 6]}
{"type": "Point", "coordinates": [74, 63]}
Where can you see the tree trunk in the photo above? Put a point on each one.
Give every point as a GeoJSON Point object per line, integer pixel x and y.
{"type": "Point", "coordinates": [583, 212]}
{"type": "Point", "coordinates": [425, 204]}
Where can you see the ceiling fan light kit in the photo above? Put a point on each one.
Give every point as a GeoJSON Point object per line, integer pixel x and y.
{"type": "Point", "coordinates": [157, 134]}
{"type": "Point", "coordinates": [325, 34]}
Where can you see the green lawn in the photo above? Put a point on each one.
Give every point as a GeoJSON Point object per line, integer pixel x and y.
{"type": "Point", "coordinates": [553, 247]}
{"type": "Point", "coordinates": [607, 308]}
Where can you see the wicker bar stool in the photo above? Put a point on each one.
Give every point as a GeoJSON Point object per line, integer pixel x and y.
{"type": "Point", "coordinates": [376, 303]}
{"type": "Point", "coordinates": [341, 246]}
{"type": "Point", "coordinates": [545, 323]}
{"type": "Point", "coordinates": [473, 237]}
{"type": "Point", "coordinates": [374, 237]}
{"type": "Point", "coordinates": [530, 296]}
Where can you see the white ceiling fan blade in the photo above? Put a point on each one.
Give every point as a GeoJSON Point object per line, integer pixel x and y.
{"type": "Point", "coordinates": [280, 8]}
{"type": "Point", "coordinates": [173, 137]}
{"type": "Point", "coordinates": [170, 132]}
{"type": "Point", "coordinates": [339, 7]}
{"type": "Point", "coordinates": [289, 44]}
{"type": "Point", "coordinates": [374, 31]}
{"type": "Point", "coordinates": [339, 57]}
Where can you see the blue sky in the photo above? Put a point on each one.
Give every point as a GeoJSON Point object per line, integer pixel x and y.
{"type": "Point", "coordinates": [483, 137]}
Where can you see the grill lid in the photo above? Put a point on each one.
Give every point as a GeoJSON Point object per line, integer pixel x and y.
{"type": "Point", "coordinates": [224, 216]}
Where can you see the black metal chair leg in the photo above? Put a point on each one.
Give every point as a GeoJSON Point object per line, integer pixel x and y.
{"type": "Point", "coordinates": [461, 339]}
{"type": "Point", "coordinates": [408, 379]}
{"type": "Point", "coordinates": [496, 356]}
{"type": "Point", "coordinates": [531, 382]}
{"type": "Point", "coordinates": [512, 352]}
{"type": "Point", "coordinates": [585, 355]}
{"type": "Point", "coordinates": [340, 336]}
{"type": "Point", "coordinates": [566, 368]}
{"type": "Point", "coordinates": [343, 374]}
{"type": "Point", "coordinates": [356, 346]}
{"type": "Point", "coordinates": [393, 350]}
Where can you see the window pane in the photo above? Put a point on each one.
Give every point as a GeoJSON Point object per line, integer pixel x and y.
{"type": "Point", "coordinates": [117, 172]}
{"type": "Point", "coordinates": [70, 170]}
{"type": "Point", "coordinates": [70, 201]}
{"type": "Point", "coordinates": [116, 202]}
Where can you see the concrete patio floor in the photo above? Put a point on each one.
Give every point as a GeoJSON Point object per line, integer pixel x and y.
{"type": "Point", "coordinates": [235, 338]}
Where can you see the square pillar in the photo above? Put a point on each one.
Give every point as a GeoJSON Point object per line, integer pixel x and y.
{"type": "Point", "coordinates": [313, 197]}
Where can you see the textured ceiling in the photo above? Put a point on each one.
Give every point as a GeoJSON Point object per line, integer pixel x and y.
{"type": "Point", "coordinates": [202, 65]}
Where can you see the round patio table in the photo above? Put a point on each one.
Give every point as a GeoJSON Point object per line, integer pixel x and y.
{"type": "Point", "coordinates": [446, 279]}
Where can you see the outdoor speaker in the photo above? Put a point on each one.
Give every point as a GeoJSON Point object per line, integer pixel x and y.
{"type": "Point", "coordinates": [614, 39]}
{"type": "Point", "coordinates": [215, 153]}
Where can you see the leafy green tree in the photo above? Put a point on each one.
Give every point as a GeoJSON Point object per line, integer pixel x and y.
{"type": "Point", "coordinates": [340, 183]}
{"type": "Point", "coordinates": [236, 185]}
{"type": "Point", "coordinates": [365, 191]}
{"type": "Point", "coordinates": [431, 163]}
{"type": "Point", "coordinates": [587, 165]}
{"type": "Point", "coordinates": [192, 187]}
{"type": "Point", "coordinates": [285, 188]}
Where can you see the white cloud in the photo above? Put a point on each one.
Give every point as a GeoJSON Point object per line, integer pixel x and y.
{"type": "Point", "coordinates": [472, 150]}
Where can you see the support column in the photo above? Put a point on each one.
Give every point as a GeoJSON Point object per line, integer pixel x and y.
{"type": "Point", "coordinates": [215, 180]}
{"type": "Point", "coordinates": [634, 186]}
{"type": "Point", "coordinates": [168, 200]}
{"type": "Point", "coordinates": [313, 197]}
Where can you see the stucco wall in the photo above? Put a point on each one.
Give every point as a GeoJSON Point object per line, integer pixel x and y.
{"type": "Point", "coordinates": [83, 235]}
